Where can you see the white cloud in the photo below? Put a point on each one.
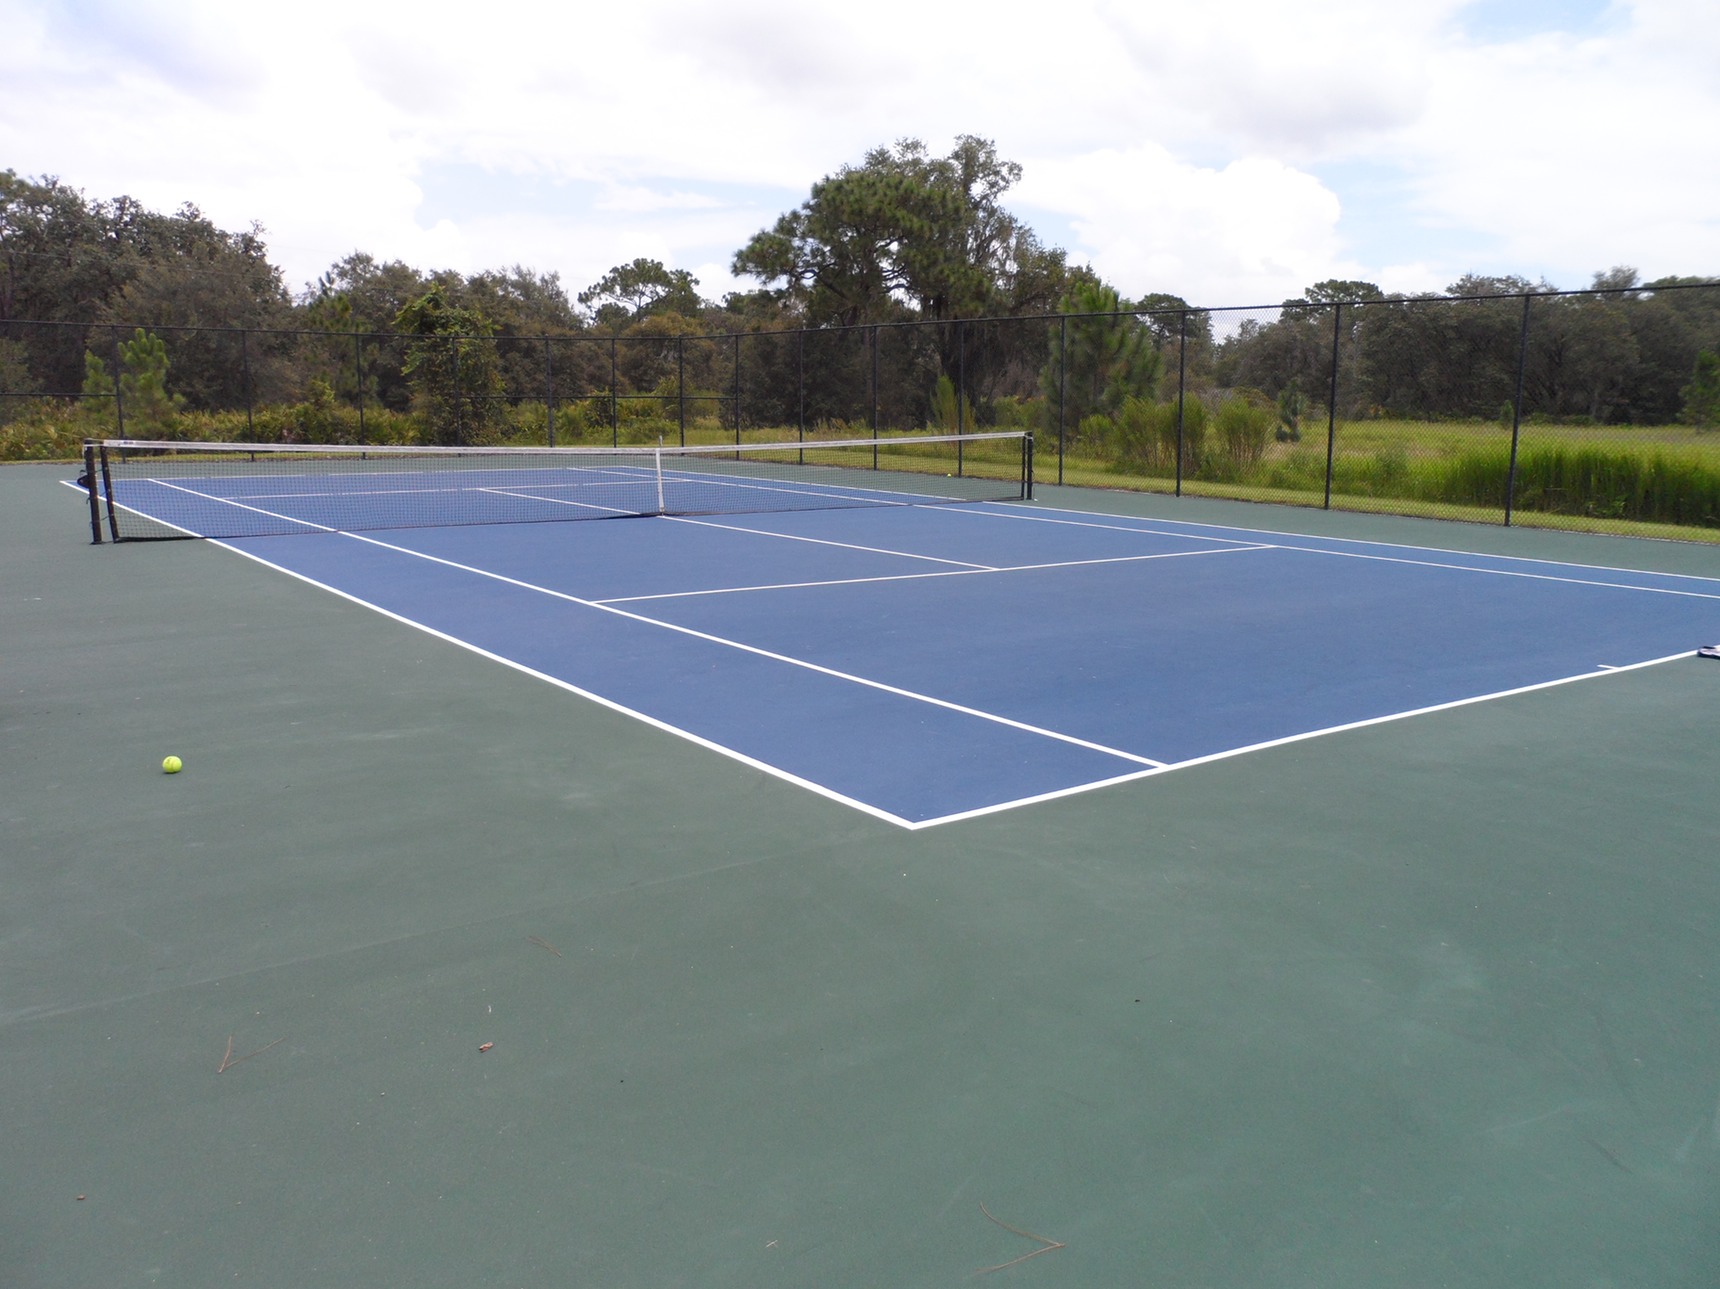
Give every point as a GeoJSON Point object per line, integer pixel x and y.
{"type": "Point", "coordinates": [1253, 232]}
{"type": "Point", "coordinates": [638, 199]}
{"type": "Point", "coordinates": [1212, 150]}
{"type": "Point", "coordinates": [1298, 80]}
{"type": "Point", "coordinates": [1576, 153]}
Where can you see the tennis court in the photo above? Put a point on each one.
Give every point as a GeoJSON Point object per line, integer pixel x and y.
{"type": "Point", "coordinates": [1224, 895]}
{"type": "Point", "coordinates": [904, 677]}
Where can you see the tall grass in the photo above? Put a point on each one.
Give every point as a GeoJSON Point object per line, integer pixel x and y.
{"type": "Point", "coordinates": [1599, 483]}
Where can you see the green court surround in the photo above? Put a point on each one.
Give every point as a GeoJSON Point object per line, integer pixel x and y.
{"type": "Point", "coordinates": [1431, 1003]}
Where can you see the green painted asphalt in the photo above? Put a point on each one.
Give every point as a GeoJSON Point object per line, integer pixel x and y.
{"type": "Point", "coordinates": [1430, 1003]}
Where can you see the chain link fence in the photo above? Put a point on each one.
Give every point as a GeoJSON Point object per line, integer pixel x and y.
{"type": "Point", "coordinates": [1594, 409]}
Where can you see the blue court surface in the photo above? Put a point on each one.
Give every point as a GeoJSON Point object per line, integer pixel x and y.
{"type": "Point", "coordinates": [930, 663]}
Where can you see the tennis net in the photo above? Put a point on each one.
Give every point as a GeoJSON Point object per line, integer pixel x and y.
{"type": "Point", "coordinates": [143, 490]}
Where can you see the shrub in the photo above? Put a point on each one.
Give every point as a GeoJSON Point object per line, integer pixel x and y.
{"type": "Point", "coordinates": [1013, 413]}
{"type": "Point", "coordinates": [1245, 426]}
{"type": "Point", "coordinates": [1702, 394]}
{"type": "Point", "coordinates": [1093, 434]}
{"type": "Point", "coordinates": [36, 434]}
{"type": "Point", "coordinates": [948, 416]}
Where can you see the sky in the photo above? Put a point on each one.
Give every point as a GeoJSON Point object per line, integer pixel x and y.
{"type": "Point", "coordinates": [1231, 152]}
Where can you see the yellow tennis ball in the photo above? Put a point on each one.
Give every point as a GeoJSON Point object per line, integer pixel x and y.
{"type": "Point", "coordinates": [173, 765]}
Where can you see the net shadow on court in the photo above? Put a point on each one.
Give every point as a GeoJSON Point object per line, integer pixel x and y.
{"type": "Point", "coordinates": [424, 971]}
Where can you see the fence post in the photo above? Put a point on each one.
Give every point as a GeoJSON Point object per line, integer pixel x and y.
{"type": "Point", "coordinates": [1517, 409]}
{"type": "Point", "coordinates": [1332, 402]}
{"type": "Point", "coordinates": [872, 386]}
{"type": "Point", "coordinates": [961, 389]}
{"type": "Point", "coordinates": [245, 375]}
{"type": "Point", "coordinates": [681, 386]}
{"type": "Point", "coordinates": [1062, 386]}
{"type": "Point", "coordinates": [1182, 382]}
{"type": "Point", "coordinates": [800, 382]}
{"type": "Point", "coordinates": [549, 390]}
{"type": "Point", "coordinates": [614, 404]}
{"type": "Point", "coordinates": [118, 385]}
{"type": "Point", "coordinates": [737, 398]}
{"type": "Point", "coordinates": [358, 368]}
{"type": "Point", "coordinates": [459, 399]}
{"type": "Point", "coordinates": [874, 413]}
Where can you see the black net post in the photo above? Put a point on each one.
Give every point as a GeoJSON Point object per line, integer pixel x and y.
{"type": "Point", "coordinates": [107, 491]}
{"type": "Point", "coordinates": [1332, 403]}
{"type": "Point", "coordinates": [90, 488]}
{"type": "Point", "coordinates": [1517, 409]}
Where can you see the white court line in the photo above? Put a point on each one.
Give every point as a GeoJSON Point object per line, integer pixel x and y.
{"type": "Point", "coordinates": [562, 501]}
{"type": "Point", "coordinates": [131, 510]}
{"type": "Point", "coordinates": [912, 577]}
{"type": "Point", "coordinates": [1005, 510]}
{"type": "Point", "coordinates": [327, 494]}
{"type": "Point", "coordinates": [825, 541]}
{"type": "Point", "coordinates": [255, 510]}
{"type": "Point", "coordinates": [1391, 559]}
{"type": "Point", "coordinates": [1506, 572]}
{"type": "Point", "coordinates": [1228, 753]}
{"type": "Point", "coordinates": [832, 672]}
{"type": "Point", "coordinates": [877, 497]}
{"type": "Point", "coordinates": [997, 510]}
{"type": "Point", "coordinates": [778, 772]}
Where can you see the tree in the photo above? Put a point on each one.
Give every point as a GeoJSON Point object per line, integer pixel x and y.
{"type": "Point", "coordinates": [521, 302]}
{"type": "Point", "coordinates": [1587, 354]}
{"type": "Point", "coordinates": [908, 234]}
{"type": "Point", "coordinates": [97, 382]}
{"type": "Point", "coordinates": [1477, 284]}
{"type": "Point", "coordinates": [1451, 355]}
{"type": "Point", "coordinates": [661, 349]}
{"type": "Point", "coordinates": [62, 259]}
{"type": "Point", "coordinates": [1295, 349]}
{"type": "Point", "coordinates": [361, 295]}
{"type": "Point", "coordinates": [451, 364]}
{"type": "Point", "coordinates": [631, 292]}
{"type": "Point", "coordinates": [1339, 291]}
{"type": "Point", "coordinates": [197, 283]}
{"type": "Point", "coordinates": [1621, 278]}
{"type": "Point", "coordinates": [1101, 356]}
{"type": "Point", "coordinates": [144, 400]}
